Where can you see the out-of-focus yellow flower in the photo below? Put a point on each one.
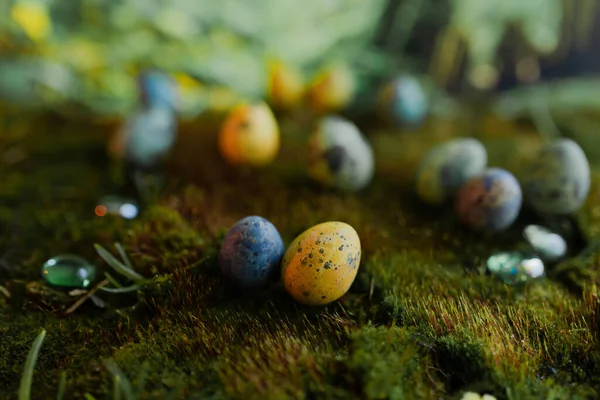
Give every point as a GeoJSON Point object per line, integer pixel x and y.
{"type": "Point", "coordinates": [33, 18]}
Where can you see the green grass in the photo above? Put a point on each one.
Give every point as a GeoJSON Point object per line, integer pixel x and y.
{"type": "Point", "coordinates": [422, 319]}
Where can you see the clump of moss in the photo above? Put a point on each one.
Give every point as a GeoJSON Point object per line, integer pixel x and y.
{"type": "Point", "coordinates": [421, 321]}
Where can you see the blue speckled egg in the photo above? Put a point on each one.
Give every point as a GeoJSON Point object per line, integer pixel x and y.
{"type": "Point", "coordinates": [558, 179]}
{"type": "Point", "coordinates": [405, 101]}
{"type": "Point", "coordinates": [158, 89]}
{"type": "Point", "coordinates": [149, 135]}
{"type": "Point", "coordinates": [340, 156]}
{"type": "Point", "coordinates": [446, 167]}
{"type": "Point", "coordinates": [490, 201]}
{"type": "Point", "coordinates": [251, 251]}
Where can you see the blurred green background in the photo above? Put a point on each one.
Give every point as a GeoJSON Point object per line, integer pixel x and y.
{"type": "Point", "coordinates": [80, 57]}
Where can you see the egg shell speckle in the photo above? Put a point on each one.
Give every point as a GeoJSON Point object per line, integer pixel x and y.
{"type": "Point", "coordinates": [251, 251]}
{"type": "Point", "coordinates": [446, 167]}
{"type": "Point", "coordinates": [250, 136]}
{"type": "Point", "coordinates": [320, 265]}
{"type": "Point", "coordinates": [340, 156]}
{"type": "Point", "coordinates": [558, 179]}
{"type": "Point", "coordinates": [490, 201]}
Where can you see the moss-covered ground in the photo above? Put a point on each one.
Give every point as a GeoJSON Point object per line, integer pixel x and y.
{"type": "Point", "coordinates": [422, 321]}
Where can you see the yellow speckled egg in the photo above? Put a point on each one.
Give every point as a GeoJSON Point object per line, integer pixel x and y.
{"type": "Point", "coordinates": [285, 87]}
{"type": "Point", "coordinates": [250, 135]}
{"type": "Point", "coordinates": [332, 89]}
{"type": "Point", "coordinates": [320, 265]}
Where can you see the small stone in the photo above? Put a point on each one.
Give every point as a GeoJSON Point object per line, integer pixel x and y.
{"type": "Point", "coordinates": [515, 267]}
{"type": "Point", "coordinates": [117, 205]}
{"type": "Point", "coordinates": [68, 270]}
{"type": "Point", "coordinates": [548, 245]}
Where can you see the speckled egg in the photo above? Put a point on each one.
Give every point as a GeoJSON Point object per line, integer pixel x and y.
{"type": "Point", "coordinates": [285, 85]}
{"type": "Point", "coordinates": [320, 265]}
{"type": "Point", "coordinates": [340, 156]}
{"type": "Point", "coordinates": [251, 251]}
{"type": "Point", "coordinates": [250, 136]}
{"type": "Point", "coordinates": [446, 167]}
{"type": "Point", "coordinates": [405, 101]}
{"type": "Point", "coordinates": [331, 89]}
{"type": "Point", "coordinates": [558, 179]}
{"type": "Point", "coordinates": [158, 89]}
{"type": "Point", "coordinates": [490, 201]}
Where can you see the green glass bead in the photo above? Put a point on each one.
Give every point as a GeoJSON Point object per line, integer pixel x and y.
{"type": "Point", "coordinates": [68, 270]}
{"type": "Point", "coordinates": [515, 267]}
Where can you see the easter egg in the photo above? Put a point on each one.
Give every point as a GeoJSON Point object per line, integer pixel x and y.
{"type": "Point", "coordinates": [558, 179]}
{"type": "Point", "coordinates": [250, 136]}
{"type": "Point", "coordinates": [340, 156]}
{"type": "Point", "coordinates": [320, 265]}
{"type": "Point", "coordinates": [331, 89]}
{"type": "Point", "coordinates": [149, 135]}
{"type": "Point", "coordinates": [251, 252]}
{"type": "Point", "coordinates": [285, 86]}
{"type": "Point", "coordinates": [158, 89]}
{"type": "Point", "coordinates": [405, 101]}
{"type": "Point", "coordinates": [490, 201]}
{"type": "Point", "coordinates": [446, 167]}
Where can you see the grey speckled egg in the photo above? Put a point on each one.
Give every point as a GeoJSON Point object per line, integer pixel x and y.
{"type": "Point", "coordinates": [340, 156]}
{"type": "Point", "coordinates": [447, 166]}
{"type": "Point", "coordinates": [558, 179]}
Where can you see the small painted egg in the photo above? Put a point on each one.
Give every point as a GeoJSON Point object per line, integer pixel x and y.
{"type": "Point", "coordinates": [251, 251]}
{"type": "Point", "coordinates": [149, 135]}
{"type": "Point", "coordinates": [405, 101]}
{"type": "Point", "coordinates": [332, 89]}
{"type": "Point", "coordinates": [340, 156]}
{"type": "Point", "coordinates": [490, 201]}
{"type": "Point", "coordinates": [446, 167]}
{"type": "Point", "coordinates": [558, 179]}
{"type": "Point", "coordinates": [320, 265]}
{"type": "Point", "coordinates": [285, 87]}
{"type": "Point", "coordinates": [158, 89]}
{"type": "Point", "coordinates": [250, 136]}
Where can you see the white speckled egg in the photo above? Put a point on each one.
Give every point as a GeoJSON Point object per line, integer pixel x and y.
{"type": "Point", "coordinates": [447, 166]}
{"type": "Point", "coordinates": [340, 156]}
{"type": "Point", "coordinates": [558, 179]}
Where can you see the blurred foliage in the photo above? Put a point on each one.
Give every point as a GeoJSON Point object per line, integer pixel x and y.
{"type": "Point", "coordinates": [80, 56]}
{"type": "Point", "coordinates": [87, 51]}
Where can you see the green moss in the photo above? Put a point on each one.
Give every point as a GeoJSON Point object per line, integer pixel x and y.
{"type": "Point", "coordinates": [421, 321]}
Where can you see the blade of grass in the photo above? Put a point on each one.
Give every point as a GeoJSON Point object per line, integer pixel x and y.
{"type": "Point", "coordinates": [116, 388]}
{"type": "Point", "coordinates": [112, 280]}
{"type": "Point", "coordinates": [62, 386]}
{"type": "Point", "coordinates": [123, 380]}
{"type": "Point", "coordinates": [117, 265]}
{"type": "Point", "coordinates": [127, 289]}
{"type": "Point", "coordinates": [27, 378]}
{"type": "Point", "coordinates": [123, 255]}
{"type": "Point", "coordinates": [89, 397]}
{"type": "Point", "coordinates": [142, 379]}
